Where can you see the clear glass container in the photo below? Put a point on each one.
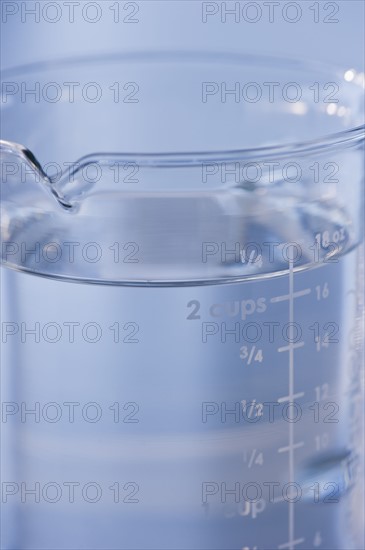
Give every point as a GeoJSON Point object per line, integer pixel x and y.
{"type": "Point", "coordinates": [182, 318]}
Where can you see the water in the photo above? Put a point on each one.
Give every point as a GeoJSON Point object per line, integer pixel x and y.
{"type": "Point", "coordinates": [175, 417]}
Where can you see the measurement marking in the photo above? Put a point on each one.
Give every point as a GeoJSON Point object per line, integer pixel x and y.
{"type": "Point", "coordinates": [291, 346]}
{"type": "Point", "coordinates": [291, 447]}
{"type": "Point", "coordinates": [251, 355]}
{"type": "Point", "coordinates": [291, 393]}
{"type": "Point", "coordinates": [253, 454]}
{"type": "Point", "coordinates": [284, 297]}
{"type": "Point", "coordinates": [287, 397]}
{"type": "Point", "coordinates": [291, 544]}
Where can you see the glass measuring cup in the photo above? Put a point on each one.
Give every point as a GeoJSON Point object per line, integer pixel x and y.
{"type": "Point", "coordinates": [182, 305]}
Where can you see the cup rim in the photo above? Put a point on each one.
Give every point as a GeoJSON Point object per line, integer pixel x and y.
{"type": "Point", "coordinates": [348, 137]}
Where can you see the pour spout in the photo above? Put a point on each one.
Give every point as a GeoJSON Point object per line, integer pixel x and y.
{"type": "Point", "coordinates": [20, 166]}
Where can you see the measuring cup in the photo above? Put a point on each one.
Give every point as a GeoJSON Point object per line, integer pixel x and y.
{"type": "Point", "coordinates": [182, 249]}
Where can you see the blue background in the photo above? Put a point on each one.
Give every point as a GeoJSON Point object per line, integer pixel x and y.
{"type": "Point", "coordinates": [177, 24]}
